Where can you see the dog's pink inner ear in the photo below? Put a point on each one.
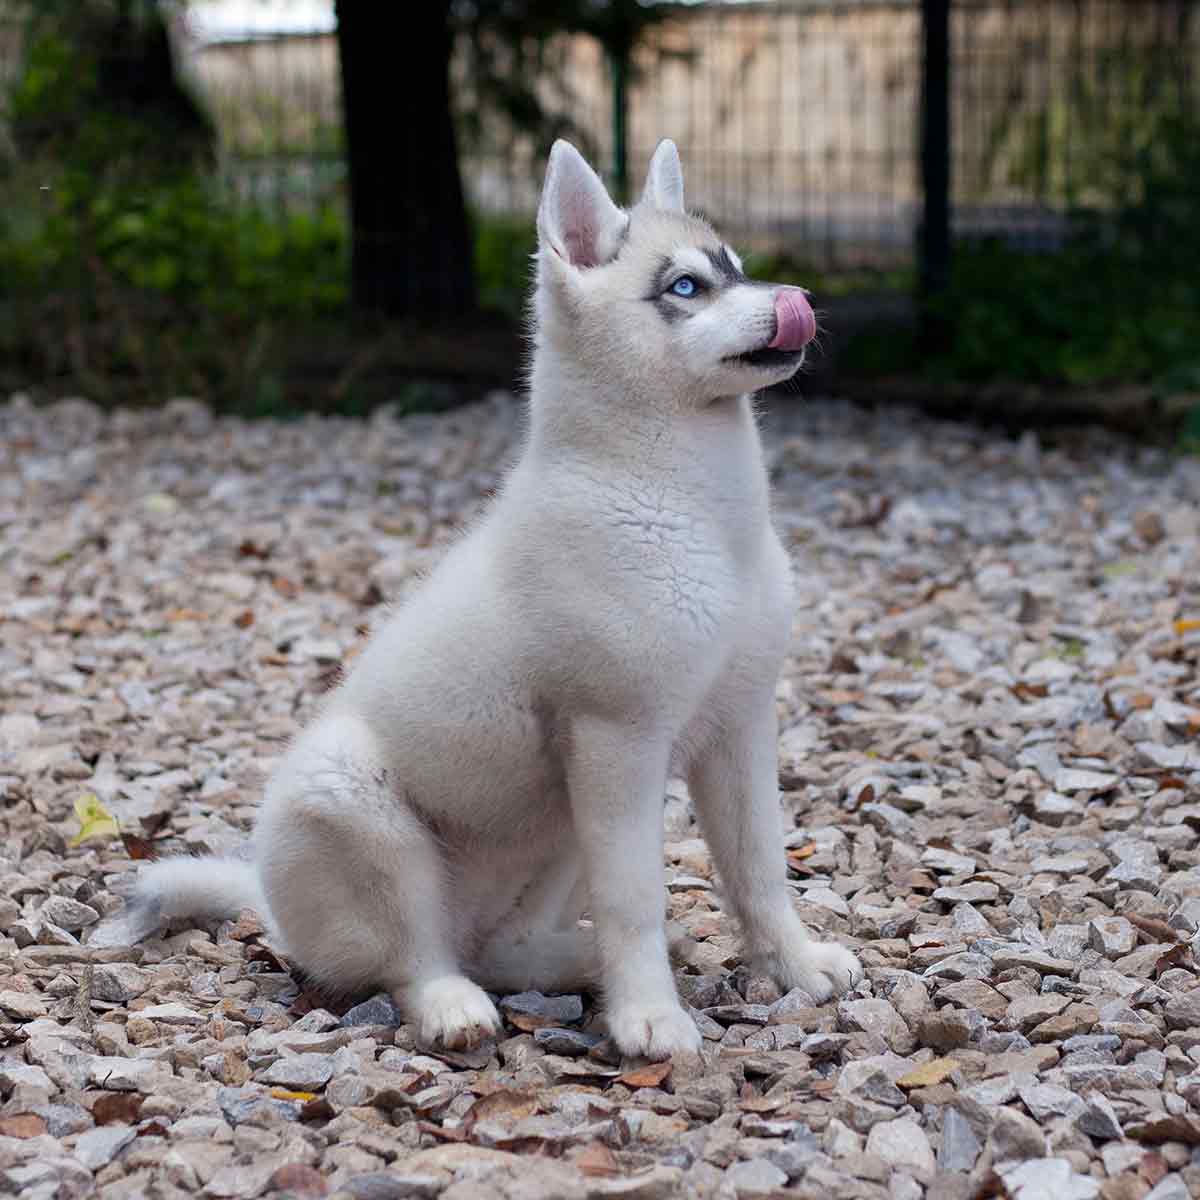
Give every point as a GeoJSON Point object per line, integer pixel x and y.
{"type": "Point", "coordinates": [576, 213]}
{"type": "Point", "coordinates": [581, 243]}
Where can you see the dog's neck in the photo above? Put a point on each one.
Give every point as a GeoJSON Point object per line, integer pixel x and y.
{"type": "Point", "coordinates": [576, 414]}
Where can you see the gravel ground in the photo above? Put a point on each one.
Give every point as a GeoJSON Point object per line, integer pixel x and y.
{"type": "Point", "coordinates": [990, 762]}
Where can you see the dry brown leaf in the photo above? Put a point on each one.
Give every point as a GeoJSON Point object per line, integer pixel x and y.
{"type": "Point", "coordinates": [117, 1108]}
{"type": "Point", "coordinates": [265, 954]}
{"type": "Point", "coordinates": [1154, 929]}
{"type": "Point", "coordinates": [762, 1104]}
{"type": "Point", "coordinates": [936, 1070]}
{"type": "Point", "coordinates": [1029, 691]}
{"type": "Point", "coordinates": [1165, 1128]}
{"type": "Point", "coordinates": [250, 549]}
{"type": "Point", "coordinates": [1166, 782]}
{"type": "Point", "coordinates": [652, 1075]}
{"type": "Point", "coordinates": [796, 857]}
{"type": "Point", "coordinates": [528, 1022]}
{"type": "Point", "coordinates": [501, 1105]}
{"type": "Point", "coordinates": [244, 619]}
{"type": "Point", "coordinates": [284, 586]}
{"type": "Point", "coordinates": [139, 848]}
{"type": "Point", "coordinates": [1179, 955]}
{"type": "Point", "coordinates": [1153, 1168]}
{"type": "Point", "coordinates": [246, 926]}
{"type": "Point", "coordinates": [299, 1179]}
{"type": "Point", "coordinates": [597, 1160]}
{"type": "Point", "coordinates": [866, 796]}
{"type": "Point", "coordinates": [22, 1125]}
{"type": "Point", "coordinates": [186, 614]}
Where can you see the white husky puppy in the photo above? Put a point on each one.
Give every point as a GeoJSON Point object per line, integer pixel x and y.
{"type": "Point", "coordinates": [494, 765]}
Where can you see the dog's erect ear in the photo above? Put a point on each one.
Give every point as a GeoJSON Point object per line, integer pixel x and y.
{"type": "Point", "coordinates": [664, 180]}
{"type": "Point", "coordinates": [576, 219]}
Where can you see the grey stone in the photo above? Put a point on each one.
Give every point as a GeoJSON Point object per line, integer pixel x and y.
{"type": "Point", "coordinates": [968, 893]}
{"type": "Point", "coordinates": [173, 1014]}
{"type": "Point", "coordinates": [300, 1072]}
{"type": "Point", "coordinates": [556, 1009]}
{"type": "Point", "coordinates": [965, 965]}
{"type": "Point", "coordinates": [1170, 1187]}
{"type": "Point", "coordinates": [874, 1016]}
{"type": "Point", "coordinates": [1182, 1010]}
{"type": "Point", "coordinates": [68, 914]}
{"type": "Point", "coordinates": [1067, 779]}
{"type": "Point", "coordinates": [380, 1009]}
{"type": "Point", "coordinates": [1047, 1179]}
{"type": "Point", "coordinates": [1015, 1136]}
{"type": "Point", "coordinates": [570, 1042]}
{"type": "Point", "coordinates": [383, 1185]}
{"type": "Point", "coordinates": [960, 1147]}
{"type": "Point", "coordinates": [902, 1144]}
{"type": "Point", "coordinates": [118, 983]}
{"type": "Point", "coordinates": [888, 819]}
{"type": "Point", "coordinates": [1098, 1118]}
{"type": "Point", "coordinates": [255, 1106]}
{"type": "Point", "coordinates": [1113, 937]}
{"type": "Point", "coordinates": [98, 1147]}
{"type": "Point", "coordinates": [25, 1006]}
{"type": "Point", "coordinates": [126, 1074]}
{"type": "Point", "coordinates": [1048, 1100]}
{"type": "Point", "coordinates": [755, 1177]}
{"type": "Point", "coordinates": [1035, 960]}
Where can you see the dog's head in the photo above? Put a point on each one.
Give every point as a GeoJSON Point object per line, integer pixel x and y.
{"type": "Point", "coordinates": [652, 296]}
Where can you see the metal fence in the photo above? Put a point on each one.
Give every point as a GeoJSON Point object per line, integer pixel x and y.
{"type": "Point", "coordinates": [798, 120]}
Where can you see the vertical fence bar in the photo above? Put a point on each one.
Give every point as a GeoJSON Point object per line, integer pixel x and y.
{"type": "Point", "coordinates": [618, 61]}
{"type": "Point", "coordinates": [933, 249]}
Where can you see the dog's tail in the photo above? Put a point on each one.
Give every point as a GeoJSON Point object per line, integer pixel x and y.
{"type": "Point", "coordinates": [207, 888]}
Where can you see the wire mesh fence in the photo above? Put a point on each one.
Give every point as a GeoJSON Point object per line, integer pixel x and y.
{"type": "Point", "coordinates": [798, 119]}
{"type": "Point", "coordinates": [799, 122]}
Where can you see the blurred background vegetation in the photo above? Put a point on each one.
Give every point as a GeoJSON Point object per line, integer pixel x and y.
{"type": "Point", "coordinates": [277, 204]}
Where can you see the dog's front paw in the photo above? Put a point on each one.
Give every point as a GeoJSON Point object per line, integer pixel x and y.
{"type": "Point", "coordinates": [453, 1013]}
{"type": "Point", "coordinates": [654, 1031]}
{"type": "Point", "coordinates": [822, 969]}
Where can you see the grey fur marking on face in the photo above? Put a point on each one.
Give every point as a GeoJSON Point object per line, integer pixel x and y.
{"type": "Point", "coordinates": [670, 312]}
{"type": "Point", "coordinates": [724, 266]}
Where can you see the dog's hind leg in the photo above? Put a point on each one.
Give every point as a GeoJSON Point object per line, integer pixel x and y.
{"type": "Point", "coordinates": [356, 883]}
{"type": "Point", "coordinates": [541, 943]}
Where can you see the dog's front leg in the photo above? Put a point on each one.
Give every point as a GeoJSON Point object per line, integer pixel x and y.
{"type": "Point", "coordinates": [617, 776]}
{"type": "Point", "coordinates": [735, 787]}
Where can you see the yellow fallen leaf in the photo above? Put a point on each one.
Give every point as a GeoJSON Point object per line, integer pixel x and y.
{"type": "Point", "coordinates": [1189, 626]}
{"type": "Point", "coordinates": [284, 1094]}
{"type": "Point", "coordinates": [94, 820]}
{"type": "Point", "coordinates": [927, 1074]}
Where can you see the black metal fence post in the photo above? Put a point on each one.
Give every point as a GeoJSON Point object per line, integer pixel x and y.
{"type": "Point", "coordinates": [933, 249]}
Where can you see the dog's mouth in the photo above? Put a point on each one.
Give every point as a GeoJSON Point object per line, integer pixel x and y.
{"type": "Point", "coordinates": [766, 358]}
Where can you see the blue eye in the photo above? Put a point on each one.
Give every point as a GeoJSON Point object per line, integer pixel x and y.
{"type": "Point", "coordinates": [685, 285]}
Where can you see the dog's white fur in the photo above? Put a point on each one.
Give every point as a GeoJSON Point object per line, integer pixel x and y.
{"type": "Point", "coordinates": [495, 763]}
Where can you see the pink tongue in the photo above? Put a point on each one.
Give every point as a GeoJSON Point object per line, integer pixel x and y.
{"type": "Point", "coordinates": [795, 324]}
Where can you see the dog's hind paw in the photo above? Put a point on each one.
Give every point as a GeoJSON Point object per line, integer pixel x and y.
{"type": "Point", "coordinates": [453, 1013]}
{"type": "Point", "coordinates": [654, 1031]}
